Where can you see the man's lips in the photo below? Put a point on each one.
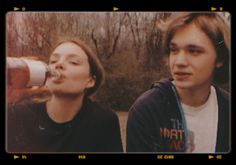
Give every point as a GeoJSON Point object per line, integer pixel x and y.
{"type": "Point", "coordinates": [182, 75]}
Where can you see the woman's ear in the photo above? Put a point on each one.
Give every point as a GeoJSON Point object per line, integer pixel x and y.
{"type": "Point", "coordinates": [91, 81]}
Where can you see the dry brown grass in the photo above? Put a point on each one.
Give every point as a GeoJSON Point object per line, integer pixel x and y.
{"type": "Point", "coordinates": [123, 116]}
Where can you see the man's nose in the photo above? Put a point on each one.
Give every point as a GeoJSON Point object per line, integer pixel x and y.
{"type": "Point", "coordinates": [181, 59]}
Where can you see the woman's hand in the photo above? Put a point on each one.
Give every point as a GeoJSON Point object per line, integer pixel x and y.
{"type": "Point", "coordinates": [15, 96]}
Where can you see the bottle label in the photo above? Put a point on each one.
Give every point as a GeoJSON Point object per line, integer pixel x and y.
{"type": "Point", "coordinates": [17, 73]}
{"type": "Point", "coordinates": [37, 71]}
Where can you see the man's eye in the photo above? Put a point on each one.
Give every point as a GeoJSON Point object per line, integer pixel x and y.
{"type": "Point", "coordinates": [173, 50]}
{"type": "Point", "coordinates": [195, 51]}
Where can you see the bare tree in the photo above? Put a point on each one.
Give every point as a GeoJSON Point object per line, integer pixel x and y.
{"type": "Point", "coordinates": [106, 42]}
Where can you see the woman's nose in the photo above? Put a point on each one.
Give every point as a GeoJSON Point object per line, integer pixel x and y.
{"type": "Point", "coordinates": [59, 65]}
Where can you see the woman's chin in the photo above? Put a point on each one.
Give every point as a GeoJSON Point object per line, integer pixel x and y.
{"type": "Point", "coordinates": [65, 93]}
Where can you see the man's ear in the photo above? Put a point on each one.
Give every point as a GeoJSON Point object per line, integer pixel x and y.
{"type": "Point", "coordinates": [219, 64]}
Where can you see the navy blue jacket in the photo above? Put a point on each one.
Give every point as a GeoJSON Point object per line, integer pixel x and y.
{"type": "Point", "coordinates": [156, 121]}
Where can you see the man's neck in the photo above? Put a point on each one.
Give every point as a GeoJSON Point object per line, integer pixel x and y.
{"type": "Point", "coordinates": [195, 96]}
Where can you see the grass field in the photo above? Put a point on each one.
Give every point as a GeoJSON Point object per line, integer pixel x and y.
{"type": "Point", "coordinates": [123, 120]}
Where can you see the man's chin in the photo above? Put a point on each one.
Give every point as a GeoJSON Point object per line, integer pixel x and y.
{"type": "Point", "coordinates": [183, 85]}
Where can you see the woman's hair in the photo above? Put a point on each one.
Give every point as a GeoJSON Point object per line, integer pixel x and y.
{"type": "Point", "coordinates": [95, 66]}
{"type": "Point", "coordinates": [215, 27]}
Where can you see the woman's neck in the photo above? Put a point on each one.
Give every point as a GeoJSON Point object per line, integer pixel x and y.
{"type": "Point", "coordinates": [62, 109]}
{"type": "Point", "coordinates": [195, 96]}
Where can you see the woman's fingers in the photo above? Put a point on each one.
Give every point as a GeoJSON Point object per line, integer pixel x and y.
{"type": "Point", "coordinates": [15, 96]}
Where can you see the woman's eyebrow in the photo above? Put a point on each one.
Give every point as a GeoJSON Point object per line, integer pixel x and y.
{"type": "Point", "coordinates": [72, 56]}
{"type": "Point", "coordinates": [68, 56]}
{"type": "Point", "coordinates": [55, 55]}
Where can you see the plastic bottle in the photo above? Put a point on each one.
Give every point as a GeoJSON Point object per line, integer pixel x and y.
{"type": "Point", "coordinates": [23, 73]}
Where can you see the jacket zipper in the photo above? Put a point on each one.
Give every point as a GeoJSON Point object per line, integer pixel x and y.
{"type": "Point", "coordinates": [182, 116]}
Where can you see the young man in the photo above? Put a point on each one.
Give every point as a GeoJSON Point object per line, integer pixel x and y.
{"type": "Point", "coordinates": [187, 113]}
